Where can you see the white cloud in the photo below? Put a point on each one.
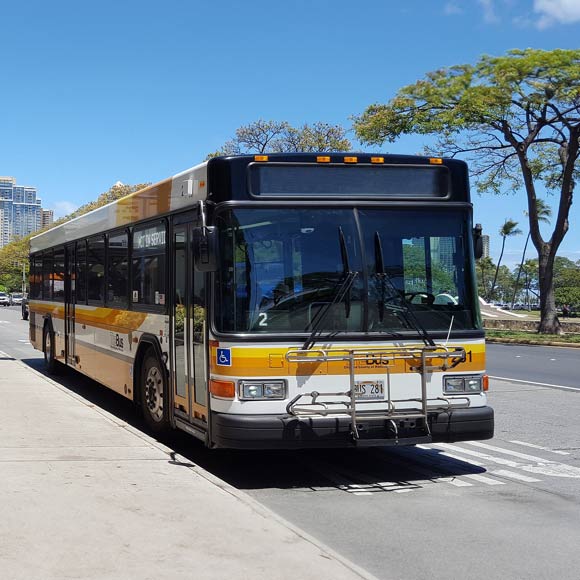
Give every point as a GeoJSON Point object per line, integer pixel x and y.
{"type": "Point", "coordinates": [557, 12]}
{"type": "Point", "coordinates": [62, 208]}
{"type": "Point", "coordinates": [489, 14]}
{"type": "Point", "coordinates": [452, 8]}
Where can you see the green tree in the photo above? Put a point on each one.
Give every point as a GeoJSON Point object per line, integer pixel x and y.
{"type": "Point", "coordinates": [544, 212]}
{"type": "Point", "coordinates": [280, 137]}
{"type": "Point", "coordinates": [484, 268]}
{"type": "Point", "coordinates": [516, 119]}
{"type": "Point", "coordinates": [509, 229]}
{"type": "Point", "coordinates": [14, 256]}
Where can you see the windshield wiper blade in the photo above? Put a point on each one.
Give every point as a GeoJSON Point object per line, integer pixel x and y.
{"type": "Point", "coordinates": [402, 305]}
{"type": "Point", "coordinates": [341, 291]}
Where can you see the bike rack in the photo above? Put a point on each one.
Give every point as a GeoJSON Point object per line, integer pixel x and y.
{"type": "Point", "coordinates": [426, 358]}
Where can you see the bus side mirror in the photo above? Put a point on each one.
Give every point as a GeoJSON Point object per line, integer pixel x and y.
{"type": "Point", "coordinates": [477, 241]}
{"type": "Point", "coordinates": [205, 248]}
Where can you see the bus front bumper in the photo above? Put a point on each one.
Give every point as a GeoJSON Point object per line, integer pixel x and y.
{"type": "Point", "coordinates": [288, 432]}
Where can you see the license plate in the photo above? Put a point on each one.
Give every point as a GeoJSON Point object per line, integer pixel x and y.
{"type": "Point", "coordinates": [369, 390]}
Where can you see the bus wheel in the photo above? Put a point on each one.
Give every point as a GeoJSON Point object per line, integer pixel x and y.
{"type": "Point", "coordinates": [154, 393]}
{"type": "Point", "coordinates": [50, 363]}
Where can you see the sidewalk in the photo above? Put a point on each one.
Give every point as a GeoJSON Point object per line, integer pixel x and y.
{"type": "Point", "coordinates": [84, 495]}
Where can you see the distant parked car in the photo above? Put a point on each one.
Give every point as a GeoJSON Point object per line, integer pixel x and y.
{"type": "Point", "coordinates": [5, 299]}
{"type": "Point", "coordinates": [16, 298]}
{"type": "Point", "coordinates": [25, 310]}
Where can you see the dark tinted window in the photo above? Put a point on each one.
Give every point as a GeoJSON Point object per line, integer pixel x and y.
{"type": "Point", "coordinates": [81, 274]}
{"type": "Point", "coordinates": [118, 269]}
{"type": "Point", "coordinates": [355, 180]}
{"type": "Point", "coordinates": [58, 275]}
{"type": "Point", "coordinates": [96, 270]}
{"type": "Point", "coordinates": [36, 276]}
{"type": "Point", "coordinates": [47, 275]}
{"type": "Point", "coordinates": [148, 265]}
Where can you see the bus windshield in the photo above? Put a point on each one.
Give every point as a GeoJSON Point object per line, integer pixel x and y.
{"type": "Point", "coordinates": [281, 266]}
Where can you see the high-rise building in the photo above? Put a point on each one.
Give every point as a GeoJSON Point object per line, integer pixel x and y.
{"type": "Point", "coordinates": [21, 210]}
{"type": "Point", "coordinates": [485, 240]}
{"type": "Point", "coordinates": [47, 218]}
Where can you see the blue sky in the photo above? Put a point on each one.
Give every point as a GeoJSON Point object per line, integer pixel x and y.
{"type": "Point", "coordinates": [135, 90]}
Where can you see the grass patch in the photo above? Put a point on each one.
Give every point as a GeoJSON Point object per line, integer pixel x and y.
{"type": "Point", "coordinates": [533, 337]}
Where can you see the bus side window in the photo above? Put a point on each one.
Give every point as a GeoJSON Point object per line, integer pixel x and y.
{"type": "Point", "coordinates": [96, 270]}
{"type": "Point", "coordinates": [148, 266]}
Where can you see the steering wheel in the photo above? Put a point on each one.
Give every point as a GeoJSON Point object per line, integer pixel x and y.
{"type": "Point", "coordinates": [410, 295]}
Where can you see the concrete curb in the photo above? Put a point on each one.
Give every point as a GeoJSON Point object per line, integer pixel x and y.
{"type": "Point", "coordinates": [531, 342]}
{"type": "Point", "coordinates": [257, 507]}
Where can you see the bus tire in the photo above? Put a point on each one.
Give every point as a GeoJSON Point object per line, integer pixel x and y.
{"type": "Point", "coordinates": [48, 346]}
{"type": "Point", "coordinates": [153, 393]}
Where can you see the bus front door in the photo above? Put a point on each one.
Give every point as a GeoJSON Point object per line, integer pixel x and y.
{"type": "Point", "coordinates": [189, 388]}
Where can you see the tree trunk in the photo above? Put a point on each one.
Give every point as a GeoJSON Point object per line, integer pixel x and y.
{"type": "Point", "coordinates": [549, 323]}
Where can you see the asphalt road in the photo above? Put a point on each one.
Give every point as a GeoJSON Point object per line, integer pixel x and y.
{"type": "Point", "coordinates": [539, 364]}
{"type": "Point", "coordinates": [507, 508]}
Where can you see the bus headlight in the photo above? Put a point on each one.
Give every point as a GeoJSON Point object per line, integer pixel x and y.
{"type": "Point", "coordinates": [469, 384]}
{"type": "Point", "coordinates": [262, 390]}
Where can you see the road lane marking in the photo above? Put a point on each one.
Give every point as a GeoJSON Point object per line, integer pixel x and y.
{"type": "Point", "coordinates": [484, 479]}
{"type": "Point", "coordinates": [540, 447]}
{"type": "Point", "coordinates": [507, 452]}
{"type": "Point", "coordinates": [544, 467]}
{"type": "Point", "coordinates": [535, 384]}
{"type": "Point", "coordinates": [516, 476]}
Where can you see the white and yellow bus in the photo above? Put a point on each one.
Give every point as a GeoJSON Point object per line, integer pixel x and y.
{"type": "Point", "coordinates": [281, 301]}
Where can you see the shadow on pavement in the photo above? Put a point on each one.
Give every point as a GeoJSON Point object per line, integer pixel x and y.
{"type": "Point", "coordinates": [281, 469]}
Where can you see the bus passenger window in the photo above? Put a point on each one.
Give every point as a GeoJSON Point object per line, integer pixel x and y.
{"type": "Point", "coordinates": [96, 270]}
{"type": "Point", "coordinates": [118, 269]}
{"type": "Point", "coordinates": [148, 266]}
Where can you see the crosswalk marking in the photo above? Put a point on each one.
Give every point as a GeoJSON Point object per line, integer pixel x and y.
{"type": "Point", "coordinates": [516, 476]}
{"type": "Point", "coordinates": [540, 447]}
{"type": "Point", "coordinates": [508, 452]}
{"type": "Point", "coordinates": [486, 456]}
{"type": "Point", "coordinates": [484, 479]}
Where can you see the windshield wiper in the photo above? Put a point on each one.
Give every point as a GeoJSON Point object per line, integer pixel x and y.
{"type": "Point", "coordinates": [402, 305]}
{"type": "Point", "coordinates": [341, 291]}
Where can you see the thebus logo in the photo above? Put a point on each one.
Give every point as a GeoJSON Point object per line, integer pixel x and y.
{"type": "Point", "coordinates": [117, 341]}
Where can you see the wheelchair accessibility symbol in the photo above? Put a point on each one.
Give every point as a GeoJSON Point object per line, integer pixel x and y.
{"type": "Point", "coordinates": [224, 357]}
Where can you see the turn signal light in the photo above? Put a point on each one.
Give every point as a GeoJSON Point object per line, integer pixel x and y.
{"type": "Point", "coordinates": [223, 389]}
{"type": "Point", "coordinates": [485, 382]}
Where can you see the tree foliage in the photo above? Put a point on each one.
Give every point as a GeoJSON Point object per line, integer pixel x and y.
{"type": "Point", "coordinates": [15, 254]}
{"type": "Point", "coordinates": [515, 118]}
{"type": "Point", "coordinates": [280, 137]}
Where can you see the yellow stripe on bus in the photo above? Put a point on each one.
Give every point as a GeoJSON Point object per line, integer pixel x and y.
{"type": "Point", "coordinates": [271, 362]}
{"type": "Point", "coordinates": [105, 318]}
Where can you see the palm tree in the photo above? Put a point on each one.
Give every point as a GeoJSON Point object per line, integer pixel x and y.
{"type": "Point", "coordinates": [509, 229]}
{"type": "Point", "coordinates": [544, 212]}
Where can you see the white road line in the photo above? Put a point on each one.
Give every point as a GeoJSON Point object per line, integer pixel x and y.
{"type": "Point", "coordinates": [540, 447]}
{"type": "Point", "coordinates": [535, 384]}
{"type": "Point", "coordinates": [516, 476]}
{"type": "Point", "coordinates": [507, 452]}
{"type": "Point", "coordinates": [479, 455]}
{"type": "Point", "coordinates": [483, 479]}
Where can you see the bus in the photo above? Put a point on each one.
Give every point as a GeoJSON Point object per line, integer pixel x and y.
{"type": "Point", "coordinates": [278, 301]}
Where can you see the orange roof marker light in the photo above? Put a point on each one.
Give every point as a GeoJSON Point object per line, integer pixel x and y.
{"type": "Point", "coordinates": [377, 159]}
{"type": "Point", "coordinates": [323, 159]}
{"type": "Point", "coordinates": [436, 161]}
{"type": "Point", "coordinates": [260, 158]}
{"type": "Point", "coordinates": [351, 159]}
